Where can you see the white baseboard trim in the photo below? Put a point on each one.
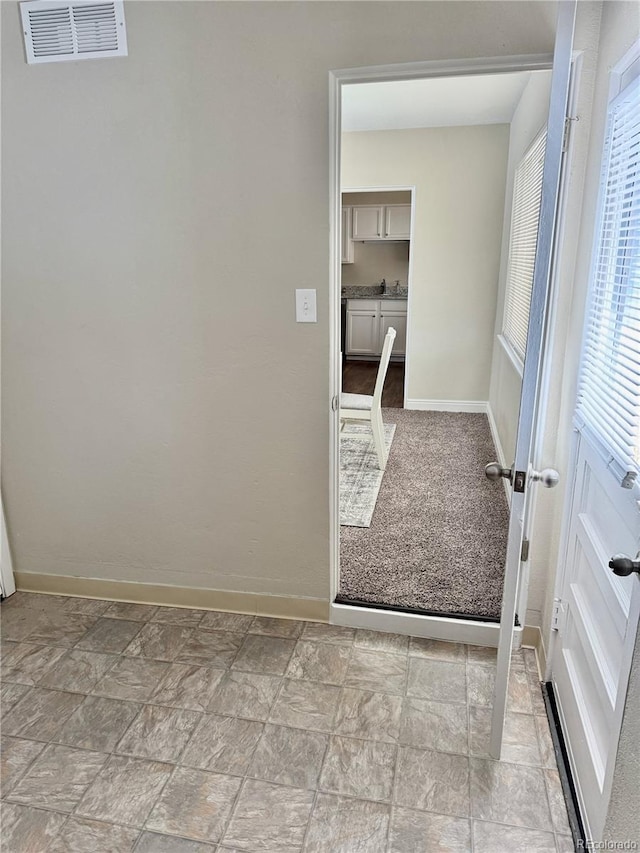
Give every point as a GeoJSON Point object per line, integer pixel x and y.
{"type": "Point", "coordinates": [286, 607]}
{"type": "Point", "coordinates": [495, 435]}
{"type": "Point", "coordinates": [7, 581]}
{"type": "Point", "coordinates": [532, 638]}
{"type": "Point", "coordinates": [473, 406]}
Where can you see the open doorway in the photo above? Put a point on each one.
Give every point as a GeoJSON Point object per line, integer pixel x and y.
{"type": "Point", "coordinates": [436, 536]}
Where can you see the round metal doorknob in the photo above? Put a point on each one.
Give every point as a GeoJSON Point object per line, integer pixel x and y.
{"type": "Point", "coordinates": [494, 471]}
{"type": "Point", "coordinates": [623, 565]}
{"type": "Point", "coordinates": [549, 477]}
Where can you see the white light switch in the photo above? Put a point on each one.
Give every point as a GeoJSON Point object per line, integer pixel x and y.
{"type": "Point", "coordinates": [306, 306]}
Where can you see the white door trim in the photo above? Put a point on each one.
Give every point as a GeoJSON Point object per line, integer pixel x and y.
{"type": "Point", "coordinates": [6, 566]}
{"type": "Point", "coordinates": [429, 626]}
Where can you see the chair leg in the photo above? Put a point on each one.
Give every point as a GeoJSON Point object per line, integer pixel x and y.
{"type": "Point", "coordinates": [377, 427]}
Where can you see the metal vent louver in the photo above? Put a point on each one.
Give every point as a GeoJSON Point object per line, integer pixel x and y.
{"type": "Point", "coordinates": [59, 31]}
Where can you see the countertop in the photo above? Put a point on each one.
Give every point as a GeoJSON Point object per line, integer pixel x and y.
{"type": "Point", "coordinates": [374, 291]}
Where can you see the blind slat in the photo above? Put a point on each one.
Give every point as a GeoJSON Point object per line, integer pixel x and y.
{"type": "Point", "coordinates": [523, 240]}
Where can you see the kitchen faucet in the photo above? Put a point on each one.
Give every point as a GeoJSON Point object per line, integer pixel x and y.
{"type": "Point", "coordinates": [386, 288]}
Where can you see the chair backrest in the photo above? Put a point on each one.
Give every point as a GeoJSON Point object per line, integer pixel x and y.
{"type": "Point", "coordinates": [384, 364]}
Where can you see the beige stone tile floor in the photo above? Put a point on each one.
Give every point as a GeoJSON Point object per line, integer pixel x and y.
{"type": "Point", "coordinates": [139, 729]}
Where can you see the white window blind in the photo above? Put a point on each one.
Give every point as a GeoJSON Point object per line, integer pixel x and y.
{"type": "Point", "coordinates": [525, 213]}
{"type": "Point", "coordinates": [609, 385]}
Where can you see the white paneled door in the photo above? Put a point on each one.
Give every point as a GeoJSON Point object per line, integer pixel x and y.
{"type": "Point", "coordinates": [597, 619]}
{"type": "Point", "coordinates": [598, 598]}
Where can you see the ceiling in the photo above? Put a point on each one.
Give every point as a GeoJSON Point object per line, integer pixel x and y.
{"type": "Point", "coordinates": [434, 102]}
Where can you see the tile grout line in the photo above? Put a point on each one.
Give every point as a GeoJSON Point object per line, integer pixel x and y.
{"type": "Point", "coordinates": [312, 810]}
{"type": "Point", "coordinates": [470, 786]}
{"type": "Point", "coordinates": [232, 810]}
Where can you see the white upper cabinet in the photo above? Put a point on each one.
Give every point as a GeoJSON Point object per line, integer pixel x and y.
{"type": "Point", "coordinates": [367, 222]}
{"type": "Point", "coordinates": [346, 243]}
{"type": "Point", "coordinates": [397, 221]}
{"type": "Point", "coordinates": [381, 222]}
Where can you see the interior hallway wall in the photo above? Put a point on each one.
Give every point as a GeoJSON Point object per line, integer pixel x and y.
{"type": "Point", "coordinates": [164, 418]}
{"type": "Point", "coordinates": [459, 175]}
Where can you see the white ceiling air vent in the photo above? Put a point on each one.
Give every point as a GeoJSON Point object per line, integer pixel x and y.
{"type": "Point", "coordinates": [59, 31]}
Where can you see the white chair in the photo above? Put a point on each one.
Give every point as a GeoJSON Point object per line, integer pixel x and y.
{"type": "Point", "coordinates": [363, 407]}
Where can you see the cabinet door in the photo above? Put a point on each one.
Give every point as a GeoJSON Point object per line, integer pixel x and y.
{"type": "Point", "coordinates": [366, 223]}
{"type": "Point", "coordinates": [345, 237]}
{"type": "Point", "coordinates": [397, 221]}
{"type": "Point", "coordinates": [362, 333]}
{"type": "Point", "coordinates": [397, 319]}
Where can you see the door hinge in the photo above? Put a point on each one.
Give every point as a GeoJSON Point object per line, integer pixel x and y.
{"type": "Point", "coordinates": [567, 132]}
{"type": "Point", "coordinates": [558, 615]}
{"type": "Point", "coordinates": [524, 551]}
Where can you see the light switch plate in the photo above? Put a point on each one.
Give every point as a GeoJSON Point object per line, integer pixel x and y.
{"type": "Point", "coordinates": [306, 306]}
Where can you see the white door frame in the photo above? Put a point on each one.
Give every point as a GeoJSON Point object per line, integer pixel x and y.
{"type": "Point", "coordinates": [7, 580]}
{"type": "Point", "coordinates": [437, 627]}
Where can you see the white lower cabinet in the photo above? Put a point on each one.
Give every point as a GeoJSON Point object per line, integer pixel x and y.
{"type": "Point", "coordinates": [367, 324]}
{"type": "Point", "coordinates": [363, 327]}
{"type": "Point", "coordinates": [397, 319]}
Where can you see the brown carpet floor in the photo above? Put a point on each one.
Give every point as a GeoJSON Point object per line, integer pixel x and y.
{"type": "Point", "coordinates": [437, 540]}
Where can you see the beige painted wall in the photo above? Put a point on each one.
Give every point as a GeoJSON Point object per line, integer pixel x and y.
{"type": "Point", "coordinates": [459, 175]}
{"type": "Point", "coordinates": [529, 118]}
{"type": "Point", "coordinates": [164, 418]}
{"type": "Point", "coordinates": [374, 261]}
